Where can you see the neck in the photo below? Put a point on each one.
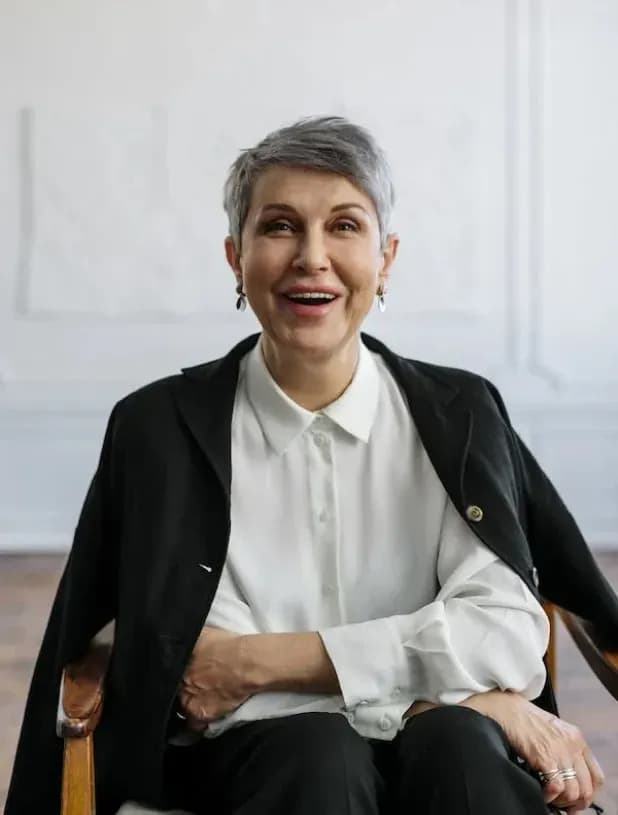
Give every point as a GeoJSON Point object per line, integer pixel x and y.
{"type": "Point", "coordinates": [313, 382]}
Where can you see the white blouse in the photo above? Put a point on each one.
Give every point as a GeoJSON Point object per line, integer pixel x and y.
{"type": "Point", "coordinates": [340, 525]}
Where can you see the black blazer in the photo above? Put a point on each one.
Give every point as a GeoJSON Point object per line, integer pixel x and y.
{"type": "Point", "coordinates": [158, 509]}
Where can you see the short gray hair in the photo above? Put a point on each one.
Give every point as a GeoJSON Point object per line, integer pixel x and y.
{"type": "Point", "coordinates": [326, 143]}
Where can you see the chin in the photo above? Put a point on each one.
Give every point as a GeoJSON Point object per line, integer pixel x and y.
{"type": "Point", "coordinates": [314, 340]}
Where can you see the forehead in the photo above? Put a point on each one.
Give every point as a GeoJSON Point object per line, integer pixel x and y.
{"type": "Point", "coordinates": [305, 189]}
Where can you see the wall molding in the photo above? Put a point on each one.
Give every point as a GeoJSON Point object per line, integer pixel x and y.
{"type": "Point", "coordinates": [524, 48]}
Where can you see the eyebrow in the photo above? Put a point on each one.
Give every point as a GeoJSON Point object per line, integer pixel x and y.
{"type": "Point", "coordinates": [338, 208]}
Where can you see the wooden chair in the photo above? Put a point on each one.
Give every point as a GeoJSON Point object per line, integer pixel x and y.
{"type": "Point", "coordinates": [82, 703]}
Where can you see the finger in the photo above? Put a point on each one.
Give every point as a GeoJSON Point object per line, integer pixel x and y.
{"type": "Point", "coordinates": [570, 792]}
{"type": "Point", "coordinates": [584, 782]}
{"type": "Point", "coordinates": [552, 789]}
{"type": "Point", "coordinates": [556, 789]}
{"type": "Point", "coordinates": [196, 716]}
{"type": "Point", "coordinates": [596, 772]}
{"type": "Point", "coordinates": [197, 725]}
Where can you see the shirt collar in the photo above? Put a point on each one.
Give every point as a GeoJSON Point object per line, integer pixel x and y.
{"type": "Point", "coordinates": [282, 420]}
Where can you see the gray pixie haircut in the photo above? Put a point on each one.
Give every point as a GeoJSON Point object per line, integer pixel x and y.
{"type": "Point", "coordinates": [327, 143]}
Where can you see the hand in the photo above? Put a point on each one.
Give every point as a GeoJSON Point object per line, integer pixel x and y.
{"type": "Point", "coordinates": [417, 707]}
{"type": "Point", "coordinates": [215, 681]}
{"type": "Point", "coordinates": [546, 743]}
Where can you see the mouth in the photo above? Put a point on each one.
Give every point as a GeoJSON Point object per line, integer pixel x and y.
{"type": "Point", "coordinates": [314, 304]}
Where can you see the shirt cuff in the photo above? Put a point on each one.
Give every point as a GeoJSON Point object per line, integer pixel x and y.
{"type": "Point", "coordinates": [369, 660]}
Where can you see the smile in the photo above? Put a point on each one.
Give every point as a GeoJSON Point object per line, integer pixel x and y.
{"type": "Point", "coordinates": [311, 304]}
{"type": "Point", "coordinates": [311, 298]}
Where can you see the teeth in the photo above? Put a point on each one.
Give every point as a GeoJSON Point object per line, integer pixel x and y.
{"type": "Point", "coordinates": [312, 296]}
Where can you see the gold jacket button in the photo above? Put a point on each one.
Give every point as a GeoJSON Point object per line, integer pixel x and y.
{"type": "Point", "coordinates": [474, 513]}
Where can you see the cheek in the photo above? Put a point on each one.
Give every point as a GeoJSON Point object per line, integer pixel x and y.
{"type": "Point", "coordinates": [359, 263]}
{"type": "Point", "coordinates": [363, 281]}
{"type": "Point", "coordinates": [266, 262]}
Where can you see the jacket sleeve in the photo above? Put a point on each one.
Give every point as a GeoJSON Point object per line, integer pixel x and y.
{"type": "Point", "coordinates": [85, 602]}
{"type": "Point", "coordinates": [568, 573]}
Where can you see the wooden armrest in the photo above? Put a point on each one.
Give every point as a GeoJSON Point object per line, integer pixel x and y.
{"type": "Point", "coordinates": [82, 693]}
{"type": "Point", "coordinates": [603, 661]}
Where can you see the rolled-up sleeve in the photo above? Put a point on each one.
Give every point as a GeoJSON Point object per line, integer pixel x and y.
{"type": "Point", "coordinates": [484, 630]}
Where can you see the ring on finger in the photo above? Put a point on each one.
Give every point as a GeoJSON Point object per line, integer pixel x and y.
{"type": "Point", "coordinates": [549, 775]}
{"type": "Point", "coordinates": [568, 774]}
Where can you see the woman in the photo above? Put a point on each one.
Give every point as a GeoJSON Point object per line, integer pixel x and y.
{"type": "Point", "coordinates": [323, 560]}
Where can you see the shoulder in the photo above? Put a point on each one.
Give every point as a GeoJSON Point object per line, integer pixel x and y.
{"type": "Point", "coordinates": [151, 396]}
{"type": "Point", "coordinates": [153, 406]}
{"type": "Point", "coordinates": [158, 395]}
{"type": "Point", "coordinates": [150, 409]}
{"type": "Point", "coordinates": [473, 385]}
{"type": "Point", "coordinates": [474, 388]}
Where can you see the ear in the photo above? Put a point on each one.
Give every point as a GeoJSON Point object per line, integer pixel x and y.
{"type": "Point", "coordinates": [389, 253]}
{"type": "Point", "coordinates": [233, 258]}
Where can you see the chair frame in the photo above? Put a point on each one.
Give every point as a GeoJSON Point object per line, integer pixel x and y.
{"type": "Point", "coordinates": [82, 692]}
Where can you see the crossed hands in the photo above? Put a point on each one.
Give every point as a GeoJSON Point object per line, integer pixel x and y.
{"type": "Point", "coordinates": [217, 682]}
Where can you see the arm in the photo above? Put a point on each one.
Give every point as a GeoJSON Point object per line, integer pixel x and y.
{"type": "Point", "coordinates": [289, 662]}
{"type": "Point", "coordinates": [569, 574]}
{"type": "Point", "coordinates": [84, 603]}
{"type": "Point", "coordinates": [485, 630]}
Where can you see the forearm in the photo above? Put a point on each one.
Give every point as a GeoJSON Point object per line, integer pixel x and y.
{"type": "Point", "coordinates": [294, 661]}
{"type": "Point", "coordinates": [486, 702]}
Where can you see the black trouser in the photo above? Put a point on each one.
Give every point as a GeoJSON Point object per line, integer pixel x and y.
{"type": "Point", "coordinates": [447, 761]}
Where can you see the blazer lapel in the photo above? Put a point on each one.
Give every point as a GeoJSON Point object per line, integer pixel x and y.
{"type": "Point", "coordinates": [205, 399]}
{"type": "Point", "coordinates": [443, 423]}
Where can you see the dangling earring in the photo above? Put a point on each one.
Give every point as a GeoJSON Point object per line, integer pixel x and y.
{"type": "Point", "coordinates": [241, 303]}
{"type": "Point", "coordinates": [381, 302]}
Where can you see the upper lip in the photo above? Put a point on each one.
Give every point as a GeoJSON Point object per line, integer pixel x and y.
{"type": "Point", "coordinates": [310, 289]}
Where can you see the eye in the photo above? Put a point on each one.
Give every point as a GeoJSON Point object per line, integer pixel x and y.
{"type": "Point", "coordinates": [277, 226]}
{"type": "Point", "coordinates": [346, 226]}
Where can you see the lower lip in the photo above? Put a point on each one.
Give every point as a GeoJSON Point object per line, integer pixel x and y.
{"type": "Point", "coordinates": [300, 310]}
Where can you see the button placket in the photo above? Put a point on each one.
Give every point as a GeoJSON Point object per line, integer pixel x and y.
{"type": "Point", "coordinates": [324, 513]}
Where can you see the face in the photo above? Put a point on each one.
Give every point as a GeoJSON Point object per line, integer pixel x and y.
{"type": "Point", "coordinates": [317, 231]}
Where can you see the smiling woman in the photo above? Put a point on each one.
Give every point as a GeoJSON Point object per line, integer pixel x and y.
{"type": "Point", "coordinates": [309, 211]}
{"type": "Point", "coordinates": [309, 615]}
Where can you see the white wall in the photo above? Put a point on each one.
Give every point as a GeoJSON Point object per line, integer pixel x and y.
{"type": "Point", "coordinates": [118, 121]}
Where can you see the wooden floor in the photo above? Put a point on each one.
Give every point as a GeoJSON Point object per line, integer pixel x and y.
{"type": "Point", "coordinates": [27, 585]}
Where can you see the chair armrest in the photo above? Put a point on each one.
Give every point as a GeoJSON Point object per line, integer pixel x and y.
{"type": "Point", "coordinates": [81, 693]}
{"type": "Point", "coordinates": [602, 660]}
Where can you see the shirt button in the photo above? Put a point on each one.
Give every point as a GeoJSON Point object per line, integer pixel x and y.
{"type": "Point", "coordinates": [396, 691]}
{"type": "Point", "coordinates": [363, 702]}
{"type": "Point", "coordinates": [319, 439]}
{"type": "Point", "coordinates": [323, 516]}
{"type": "Point", "coordinates": [385, 723]}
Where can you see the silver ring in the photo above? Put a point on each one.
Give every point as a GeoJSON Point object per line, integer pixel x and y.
{"type": "Point", "coordinates": [568, 774]}
{"type": "Point", "coordinates": [548, 776]}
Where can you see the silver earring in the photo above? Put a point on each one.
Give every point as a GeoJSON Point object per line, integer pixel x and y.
{"type": "Point", "coordinates": [381, 301]}
{"type": "Point", "coordinates": [241, 303]}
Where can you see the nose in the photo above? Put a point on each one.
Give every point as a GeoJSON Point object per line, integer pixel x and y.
{"type": "Point", "coordinates": [312, 255]}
